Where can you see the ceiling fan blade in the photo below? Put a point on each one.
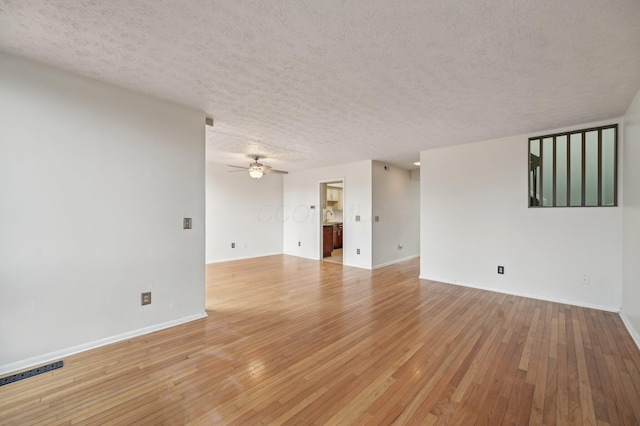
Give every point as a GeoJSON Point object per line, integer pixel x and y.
{"type": "Point", "coordinates": [258, 167]}
{"type": "Point", "coordinates": [236, 171]}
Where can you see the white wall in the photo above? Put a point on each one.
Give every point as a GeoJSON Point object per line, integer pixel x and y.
{"type": "Point", "coordinates": [244, 211]}
{"type": "Point", "coordinates": [631, 220]}
{"type": "Point", "coordinates": [94, 184]}
{"type": "Point", "coordinates": [474, 217]}
{"type": "Point", "coordinates": [396, 201]}
{"type": "Point", "coordinates": [302, 224]}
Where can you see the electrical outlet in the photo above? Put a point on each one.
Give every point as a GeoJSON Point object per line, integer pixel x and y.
{"type": "Point", "coordinates": [377, 218]}
{"type": "Point", "coordinates": [146, 298]}
{"type": "Point", "coordinates": [357, 218]}
{"type": "Point", "coordinates": [233, 245]}
{"type": "Point", "coordinates": [186, 223]}
{"type": "Point", "coordinates": [501, 270]}
{"type": "Point", "coordinates": [585, 279]}
{"type": "Point", "coordinates": [299, 244]}
{"type": "Point", "coordinates": [357, 251]}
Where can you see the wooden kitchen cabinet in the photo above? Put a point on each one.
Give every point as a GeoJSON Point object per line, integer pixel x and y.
{"type": "Point", "coordinates": [331, 238]}
{"type": "Point", "coordinates": [327, 240]}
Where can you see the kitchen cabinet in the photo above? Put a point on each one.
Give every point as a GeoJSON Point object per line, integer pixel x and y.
{"type": "Point", "coordinates": [333, 194]}
{"type": "Point", "coordinates": [337, 240]}
{"type": "Point", "coordinates": [334, 197]}
{"type": "Point", "coordinates": [335, 236]}
{"type": "Point", "coordinates": [331, 238]}
{"type": "Point", "coordinates": [327, 240]}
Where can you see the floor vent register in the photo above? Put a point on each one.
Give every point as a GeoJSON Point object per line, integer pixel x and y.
{"type": "Point", "coordinates": [30, 373]}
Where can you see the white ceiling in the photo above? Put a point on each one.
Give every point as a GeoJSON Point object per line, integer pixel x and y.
{"type": "Point", "coordinates": [311, 83]}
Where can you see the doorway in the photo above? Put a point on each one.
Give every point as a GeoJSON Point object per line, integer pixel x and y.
{"type": "Point", "coordinates": [331, 222]}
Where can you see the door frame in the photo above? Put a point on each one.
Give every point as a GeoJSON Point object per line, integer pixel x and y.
{"type": "Point", "coordinates": [322, 200]}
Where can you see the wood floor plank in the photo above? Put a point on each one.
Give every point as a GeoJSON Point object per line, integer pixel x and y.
{"type": "Point", "coordinates": [526, 354]}
{"type": "Point", "coordinates": [516, 344]}
{"type": "Point", "coordinates": [492, 384]}
{"type": "Point", "coordinates": [527, 308]}
{"type": "Point", "coordinates": [541, 370]}
{"type": "Point", "coordinates": [573, 386]}
{"type": "Point", "coordinates": [598, 375]}
{"type": "Point", "coordinates": [296, 341]}
{"type": "Point", "coordinates": [550, 394]}
{"type": "Point", "coordinates": [586, 398]}
{"type": "Point", "coordinates": [562, 389]}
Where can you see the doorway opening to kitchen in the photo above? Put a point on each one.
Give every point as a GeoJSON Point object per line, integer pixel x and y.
{"type": "Point", "coordinates": [332, 232]}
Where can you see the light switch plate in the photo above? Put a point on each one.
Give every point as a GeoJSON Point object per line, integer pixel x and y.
{"type": "Point", "coordinates": [186, 223]}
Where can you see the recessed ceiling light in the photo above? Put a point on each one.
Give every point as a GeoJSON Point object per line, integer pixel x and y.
{"type": "Point", "coordinates": [417, 163]}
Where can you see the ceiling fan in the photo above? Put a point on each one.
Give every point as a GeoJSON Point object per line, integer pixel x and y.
{"type": "Point", "coordinates": [257, 170]}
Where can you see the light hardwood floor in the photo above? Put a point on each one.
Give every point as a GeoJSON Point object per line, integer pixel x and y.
{"type": "Point", "coordinates": [294, 341]}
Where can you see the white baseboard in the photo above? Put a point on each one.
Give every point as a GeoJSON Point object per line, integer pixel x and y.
{"type": "Point", "coordinates": [301, 256]}
{"type": "Point", "coordinates": [229, 259]}
{"type": "Point", "coordinates": [357, 266]}
{"type": "Point", "coordinates": [404, 259]}
{"type": "Point", "coordinates": [635, 334]}
{"type": "Point", "coordinates": [529, 295]}
{"type": "Point", "coordinates": [368, 268]}
{"type": "Point", "coordinates": [55, 356]}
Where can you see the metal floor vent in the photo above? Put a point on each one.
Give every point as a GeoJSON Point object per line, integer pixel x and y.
{"type": "Point", "coordinates": [29, 373]}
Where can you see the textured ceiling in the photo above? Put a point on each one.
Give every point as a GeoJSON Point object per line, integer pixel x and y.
{"type": "Point", "coordinates": [310, 83]}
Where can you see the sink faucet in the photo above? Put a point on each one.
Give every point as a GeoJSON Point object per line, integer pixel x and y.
{"type": "Point", "coordinates": [326, 219]}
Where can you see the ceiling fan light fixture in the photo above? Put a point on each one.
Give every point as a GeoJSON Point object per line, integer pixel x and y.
{"type": "Point", "coordinates": [256, 173]}
{"type": "Point", "coordinates": [257, 170]}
